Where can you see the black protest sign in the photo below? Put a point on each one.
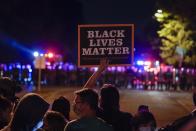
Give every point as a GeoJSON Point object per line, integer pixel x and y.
{"type": "Point", "coordinates": [115, 42]}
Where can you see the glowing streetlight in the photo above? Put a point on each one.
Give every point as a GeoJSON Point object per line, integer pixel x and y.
{"type": "Point", "coordinates": [159, 11]}
{"type": "Point", "coordinates": [160, 15]}
{"type": "Point", "coordinates": [36, 54]}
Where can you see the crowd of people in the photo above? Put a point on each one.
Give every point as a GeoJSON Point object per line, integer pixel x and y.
{"type": "Point", "coordinates": [96, 112]}
{"type": "Point", "coordinates": [129, 77]}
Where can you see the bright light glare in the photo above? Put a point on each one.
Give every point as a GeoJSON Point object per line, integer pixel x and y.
{"type": "Point", "coordinates": [147, 63]}
{"type": "Point", "coordinates": [140, 63]}
{"type": "Point", "coordinates": [157, 63]}
{"type": "Point", "coordinates": [50, 55]}
{"type": "Point", "coordinates": [159, 11]}
{"type": "Point", "coordinates": [36, 54]}
{"type": "Point", "coordinates": [159, 15]}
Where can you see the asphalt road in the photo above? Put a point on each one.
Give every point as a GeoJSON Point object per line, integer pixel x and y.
{"type": "Point", "coordinates": [166, 106]}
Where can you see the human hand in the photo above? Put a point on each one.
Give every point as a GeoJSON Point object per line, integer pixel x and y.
{"type": "Point", "coordinates": [103, 64]}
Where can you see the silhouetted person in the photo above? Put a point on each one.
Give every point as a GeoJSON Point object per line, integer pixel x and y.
{"type": "Point", "coordinates": [144, 120]}
{"type": "Point", "coordinates": [110, 102]}
{"type": "Point", "coordinates": [62, 105]}
{"type": "Point", "coordinates": [85, 106]}
{"type": "Point", "coordinates": [185, 123]}
{"type": "Point", "coordinates": [54, 121]}
{"type": "Point", "coordinates": [5, 111]}
{"type": "Point", "coordinates": [110, 105]}
{"type": "Point", "coordinates": [29, 111]}
{"type": "Point", "coordinates": [143, 108]}
{"type": "Point", "coordinates": [8, 88]}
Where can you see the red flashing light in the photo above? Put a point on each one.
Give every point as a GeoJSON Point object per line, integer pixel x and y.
{"type": "Point", "coordinates": [50, 55]}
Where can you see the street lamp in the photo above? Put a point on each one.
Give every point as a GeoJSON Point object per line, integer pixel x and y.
{"type": "Point", "coordinates": [159, 11]}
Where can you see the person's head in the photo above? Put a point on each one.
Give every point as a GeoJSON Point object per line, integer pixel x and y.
{"type": "Point", "coordinates": [62, 105]}
{"type": "Point", "coordinates": [29, 111]}
{"type": "Point", "coordinates": [8, 88]}
{"type": "Point", "coordinates": [144, 121]}
{"type": "Point", "coordinates": [109, 97]}
{"type": "Point", "coordinates": [5, 110]}
{"type": "Point", "coordinates": [54, 121]}
{"type": "Point", "coordinates": [85, 102]}
{"type": "Point", "coordinates": [143, 108]}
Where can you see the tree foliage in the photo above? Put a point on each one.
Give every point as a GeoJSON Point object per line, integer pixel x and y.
{"type": "Point", "coordinates": [177, 34]}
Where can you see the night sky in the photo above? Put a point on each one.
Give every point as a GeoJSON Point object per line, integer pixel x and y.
{"type": "Point", "coordinates": [51, 25]}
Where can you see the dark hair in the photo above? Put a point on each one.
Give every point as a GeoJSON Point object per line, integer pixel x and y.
{"type": "Point", "coordinates": [4, 103]}
{"type": "Point", "coordinates": [29, 111]}
{"type": "Point", "coordinates": [8, 88]}
{"type": "Point", "coordinates": [143, 108]}
{"type": "Point", "coordinates": [109, 97]}
{"type": "Point", "coordinates": [62, 105]}
{"type": "Point", "coordinates": [89, 96]}
{"type": "Point", "coordinates": [144, 118]}
{"type": "Point", "coordinates": [56, 121]}
{"type": "Point", "coordinates": [179, 123]}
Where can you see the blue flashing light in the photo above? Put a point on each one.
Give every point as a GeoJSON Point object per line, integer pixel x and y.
{"type": "Point", "coordinates": [10, 67]}
{"type": "Point", "coordinates": [23, 66]}
{"type": "Point", "coordinates": [71, 67]}
{"type": "Point", "coordinates": [30, 70]}
{"type": "Point", "coordinates": [94, 69]}
{"type": "Point", "coordinates": [18, 66]}
{"type": "Point", "coordinates": [60, 67]}
{"type": "Point", "coordinates": [49, 67]}
{"type": "Point", "coordinates": [157, 63]}
{"type": "Point", "coordinates": [36, 54]}
{"type": "Point", "coordinates": [139, 62]}
{"type": "Point", "coordinates": [28, 66]}
{"type": "Point", "coordinates": [119, 69]}
{"type": "Point", "coordinates": [25, 79]}
{"type": "Point", "coordinates": [5, 68]}
{"type": "Point", "coordinates": [113, 68]}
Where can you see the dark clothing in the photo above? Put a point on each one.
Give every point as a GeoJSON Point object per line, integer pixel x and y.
{"type": "Point", "coordinates": [88, 124]}
{"type": "Point", "coordinates": [29, 111]}
{"type": "Point", "coordinates": [121, 121]}
{"type": "Point", "coordinates": [3, 124]}
{"type": "Point", "coordinates": [180, 123]}
{"type": "Point", "coordinates": [144, 118]}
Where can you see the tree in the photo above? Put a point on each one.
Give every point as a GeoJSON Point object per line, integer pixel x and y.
{"type": "Point", "coordinates": [178, 44]}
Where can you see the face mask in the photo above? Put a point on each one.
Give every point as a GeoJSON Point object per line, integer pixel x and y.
{"type": "Point", "coordinates": [145, 129]}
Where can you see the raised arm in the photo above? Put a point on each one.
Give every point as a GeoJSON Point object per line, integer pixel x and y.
{"type": "Point", "coordinates": [92, 80]}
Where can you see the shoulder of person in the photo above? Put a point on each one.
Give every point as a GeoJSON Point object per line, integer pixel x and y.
{"type": "Point", "coordinates": [126, 115]}
{"type": "Point", "coordinates": [73, 122]}
{"type": "Point", "coordinates": [101, 121]}
{"type": "Point", "coordinates": [7, 128]}
{"type": "Point", "coordinates": [178, 123]}
{"type": "Point", "coordinates": [194, 112]}
{"type": "Point", "coordinates": [70, 125]}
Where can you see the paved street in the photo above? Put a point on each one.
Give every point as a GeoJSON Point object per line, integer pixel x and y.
{"type": "Point", "coordinates": [166, 106]}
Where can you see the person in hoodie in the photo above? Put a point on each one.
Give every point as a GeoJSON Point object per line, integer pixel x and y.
{"type": "Point", "coordinates": [28, 113]}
